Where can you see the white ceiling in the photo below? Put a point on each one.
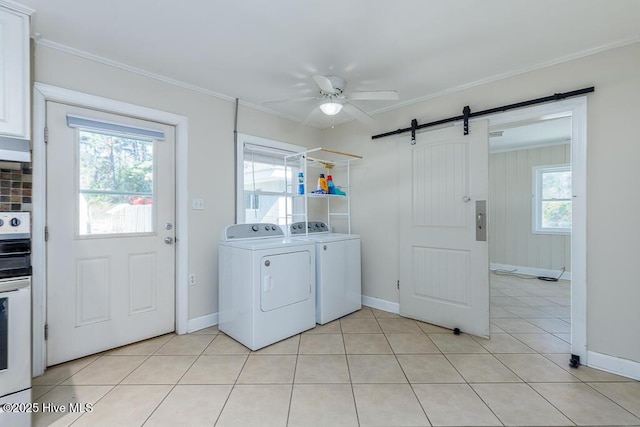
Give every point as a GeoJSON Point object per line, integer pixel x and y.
{"type": "Point", "coordinates": [528, 135]}
{"type": "Point", "coordinates": [260, 50]}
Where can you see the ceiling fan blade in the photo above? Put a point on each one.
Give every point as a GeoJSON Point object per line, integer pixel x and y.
{"type": "Point", "coordinates": [309, 117]}
{"type": "Point", "coordinates": [324, 83]}
{"type": "Point", "coordinates": [390, 95]}
{"type": "Point", "coordinates": [357, 113]}
{"type": "Point", "coordinates": [280, 101]}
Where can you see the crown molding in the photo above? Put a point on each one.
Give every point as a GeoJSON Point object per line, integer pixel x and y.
{"type": "Point", "coordinates": [17, 7]}
{"type": "Point", "coordinates": [142, 72]}
{"type": "Point", "coordinates": [86, 55]}
{"type": "Point", "coordinates": [501, 76]}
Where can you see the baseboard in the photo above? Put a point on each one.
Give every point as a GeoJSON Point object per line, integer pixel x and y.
{"type": "Point", "coordinates": [615, 365]}
{"type": "Point", "coordinates": [380, 304]}
{"type": "Point", "coordinates": [531, 271]}
{"type": "Point", "coordinates": [202, 322]}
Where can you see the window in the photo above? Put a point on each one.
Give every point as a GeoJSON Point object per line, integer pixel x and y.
{"type": "Point", "coordinates": [552, 199]}
{"type": "Point", "coordinates": [261, 180]}
{"type": "Point", "coordinates": [115, 184]}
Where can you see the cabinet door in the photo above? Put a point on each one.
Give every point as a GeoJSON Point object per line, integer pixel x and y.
{"type": "Point", "coordinates": [14, 75]}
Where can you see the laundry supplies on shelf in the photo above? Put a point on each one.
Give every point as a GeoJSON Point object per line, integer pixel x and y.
{"type": "Point", "coordinates": [336, 198]}
{"type": "Point", "coordinates": [300, 183]}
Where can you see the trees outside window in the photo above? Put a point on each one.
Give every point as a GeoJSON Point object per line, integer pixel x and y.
{"type": "Point", "coordinates": [552, 199]}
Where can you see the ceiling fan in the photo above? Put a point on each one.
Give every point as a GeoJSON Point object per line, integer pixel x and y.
{"type": "Point", "coordinates": [332, 98]}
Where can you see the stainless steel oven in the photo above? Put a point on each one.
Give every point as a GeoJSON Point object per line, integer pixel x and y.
{"type": "Point", "coordinates": [15, 319]}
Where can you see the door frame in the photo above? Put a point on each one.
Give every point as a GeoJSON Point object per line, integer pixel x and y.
{"type": "Point", "coordinates": [43, 93]}
{"type": "Point", "coordinates": [577, 109]}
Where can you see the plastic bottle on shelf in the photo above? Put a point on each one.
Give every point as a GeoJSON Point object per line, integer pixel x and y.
{"type": "Point", "coordinates": [331, 188]}
{"type": "Point", "coordinates": [300, 183]}
{"type": "Point", "coordinates": [322, 185]}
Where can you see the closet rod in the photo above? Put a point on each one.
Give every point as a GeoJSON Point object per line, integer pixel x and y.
{"type": "Point", "coordinates": [554, 97]}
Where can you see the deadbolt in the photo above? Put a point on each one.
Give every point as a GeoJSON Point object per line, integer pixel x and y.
{"type": "Point", "coordinates": [168, 226]}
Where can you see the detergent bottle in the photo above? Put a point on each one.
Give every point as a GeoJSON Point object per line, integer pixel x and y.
{"type": "Point", "coordinates": [300, 183]}
{"type": "Point", "coordinates": [322, 185]}
{"type": "Point", "coordinates": [331, 188]}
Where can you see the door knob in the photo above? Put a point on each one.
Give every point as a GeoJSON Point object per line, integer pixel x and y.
{"type": "Point", "coordinates": [168, 240]}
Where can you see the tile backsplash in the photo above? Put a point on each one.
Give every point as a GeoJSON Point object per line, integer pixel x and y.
{"type": "Point", "coordinates": [15, 190]}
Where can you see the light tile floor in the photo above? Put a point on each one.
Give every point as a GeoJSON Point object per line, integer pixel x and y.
{"type": "Point", "coordinates": [371, 368]}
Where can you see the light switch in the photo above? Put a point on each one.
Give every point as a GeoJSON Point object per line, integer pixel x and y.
{"type": "Point", "coordinates": [198, 204]}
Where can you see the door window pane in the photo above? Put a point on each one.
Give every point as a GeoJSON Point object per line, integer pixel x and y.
{"type": "Point", "coordinates": [115, 184]}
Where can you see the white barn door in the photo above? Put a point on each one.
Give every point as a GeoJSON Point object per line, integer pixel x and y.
{"type": "Point", "coordinates": [444, 261]}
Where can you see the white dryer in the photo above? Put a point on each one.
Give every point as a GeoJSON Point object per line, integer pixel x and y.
{"type": "Point", "coordinates": [338, 270]}
{"type": "Point", "coordinates": [266, 284]}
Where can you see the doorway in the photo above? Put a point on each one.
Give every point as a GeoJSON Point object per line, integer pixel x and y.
{"type": "Point", "coordinates": [110, 233]}
{"type": "Point", "coordinates": [530, 236]}
{"type": "Point", "coordinates": [45, 93]}
{"type": "Point", "coordinates": [576, 109]}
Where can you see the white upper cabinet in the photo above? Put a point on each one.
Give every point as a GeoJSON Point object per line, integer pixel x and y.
{"type": "Point", "coordinates": [14, 71]}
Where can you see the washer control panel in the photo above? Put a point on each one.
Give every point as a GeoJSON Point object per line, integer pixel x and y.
{"type": "Point", "coordinates": [311, 227]}
{"type": "Point", "coordinates": [252, 231]}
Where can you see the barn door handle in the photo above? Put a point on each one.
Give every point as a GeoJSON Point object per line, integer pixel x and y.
{"type": "Point", "coordinates": [481, 220]}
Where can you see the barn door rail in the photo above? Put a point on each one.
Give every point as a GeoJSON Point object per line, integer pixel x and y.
{"type": "Point", "coordinates": [467, 114]}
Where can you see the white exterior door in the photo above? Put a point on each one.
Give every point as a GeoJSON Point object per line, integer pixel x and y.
{"type": "Point", "coordinates": [444, 268]}
{"type": "Point", "coordinates": [110, 221]}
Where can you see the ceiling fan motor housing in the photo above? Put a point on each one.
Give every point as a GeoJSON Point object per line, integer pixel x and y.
{"type": "Point", "coordinates": [338, 84]}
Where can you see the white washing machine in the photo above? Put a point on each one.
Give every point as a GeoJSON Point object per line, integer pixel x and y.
{"type": "Point", "coordinates": [338, 270]}
{"type": "Point", "coordinates": [266, 284]}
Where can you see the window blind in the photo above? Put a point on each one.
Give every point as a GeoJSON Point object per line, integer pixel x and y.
{"type": "Point", "coordinates": [102, 125]}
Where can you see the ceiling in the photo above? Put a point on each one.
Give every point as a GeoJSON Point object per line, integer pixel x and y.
{"type": "Point", "coordinates": [538, 133]}
{"type": "Point", "coordinates": [260, 50]}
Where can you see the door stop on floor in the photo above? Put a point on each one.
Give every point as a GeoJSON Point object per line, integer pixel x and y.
{"type": "Point", "coordinates": [574, 362]}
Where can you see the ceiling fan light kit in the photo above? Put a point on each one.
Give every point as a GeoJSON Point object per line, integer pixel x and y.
{"type": "Point", "coordinates": [331, 107]}
{"type": "Point", "coordinates": [333, 100]}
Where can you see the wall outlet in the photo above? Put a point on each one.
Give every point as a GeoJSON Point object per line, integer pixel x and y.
{"type": "Point", "coordinates": [192, 279]}
{"type": "Point", "coordinates": [197, 204]}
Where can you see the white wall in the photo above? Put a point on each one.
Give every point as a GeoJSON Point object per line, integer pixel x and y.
{"type": "Point", "coordinates": [211, 148]}
{"type": "Point", "coordinates": [511, 241]}
{"type": "Point", "coordinates": [613, 150]}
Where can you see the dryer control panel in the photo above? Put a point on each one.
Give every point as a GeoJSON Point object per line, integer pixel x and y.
{"type": "Point", "coordinates": [252, 231]}
{"type": "Point", "coordinates": [312, 227]}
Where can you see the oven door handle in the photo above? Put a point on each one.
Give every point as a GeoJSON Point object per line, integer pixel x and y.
{"type": "Point", "coordinates": [7, 254]}
{"type": "Point", "coordinates": [14, 285]}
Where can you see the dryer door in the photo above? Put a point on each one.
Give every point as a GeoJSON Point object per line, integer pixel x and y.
{"type": "Point", "coordinates": [285, 279]}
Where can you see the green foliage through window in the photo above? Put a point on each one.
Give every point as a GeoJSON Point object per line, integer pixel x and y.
{"type": "Point", "coordinates": [115, 172]}
{"type": "Point", "coordinates": [552, 199]}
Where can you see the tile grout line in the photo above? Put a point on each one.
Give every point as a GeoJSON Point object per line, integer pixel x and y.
{"type": "Point", "coordinates": [293, 380]}
{"type": "Point", "coordinates": [233, 386]}
{"type": "Point", "coordinates": [114, 386]}
{"type": "Point", "coordinates": [346, 359]}
{"type": "Point", "coordinates": [173, 386]}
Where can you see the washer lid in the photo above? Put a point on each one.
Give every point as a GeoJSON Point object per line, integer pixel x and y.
{"type": "Point", "coordinates": [259, 244]}
{"type": "Point", "coordinates": [327, 237]}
